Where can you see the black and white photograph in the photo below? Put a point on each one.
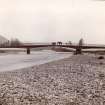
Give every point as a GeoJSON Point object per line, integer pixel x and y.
{"type": "Point", "coordinates": [52, 52]}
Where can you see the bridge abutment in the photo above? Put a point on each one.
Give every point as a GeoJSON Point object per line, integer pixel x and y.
{"type": "Point", "coordinates": [78, 50]}
{"type": "Point", "coordinates": [28, 51]}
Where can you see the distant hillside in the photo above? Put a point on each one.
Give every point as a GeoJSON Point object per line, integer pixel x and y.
{"type": "Point", "coordinates": [3, 39]}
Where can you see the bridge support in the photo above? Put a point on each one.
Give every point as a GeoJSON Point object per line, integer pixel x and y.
{"type": "Point", "coordinates": [78, 50]}
{"type": "Point", "coordinates": [28, 50]}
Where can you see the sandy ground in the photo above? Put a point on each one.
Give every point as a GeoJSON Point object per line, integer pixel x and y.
{"type": "Point", "coordinates": [79, 80]}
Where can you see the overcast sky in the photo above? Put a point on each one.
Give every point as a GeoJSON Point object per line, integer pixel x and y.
{"type": "Point", "coordinates": [53, 20]}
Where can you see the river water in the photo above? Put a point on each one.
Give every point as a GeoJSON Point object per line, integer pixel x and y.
{"type": "Point", "coordinates": [10, 62]}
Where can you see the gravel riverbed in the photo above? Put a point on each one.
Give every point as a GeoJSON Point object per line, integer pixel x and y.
{"type": "Point", "coordinates": [78, 80]}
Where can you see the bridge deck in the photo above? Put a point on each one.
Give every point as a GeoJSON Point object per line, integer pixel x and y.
{"type": "Point", "coordinates": [68, 46]}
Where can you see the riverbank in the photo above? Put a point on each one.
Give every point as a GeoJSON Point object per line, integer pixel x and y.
{"type": "Point", "coordinates": [78, 80]}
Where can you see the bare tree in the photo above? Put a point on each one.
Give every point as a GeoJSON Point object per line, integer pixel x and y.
{"type": "Point", "coordinates": [81, 42]}
{"type": "Point", "coordinates": [59, 43]}
{"type": "Point", "coordinates": [5, 44]}
{"type": "Point", "coordinates": [15, 42]}
{"type": "Point", "coordinates": [53, 43]}
{"type": "Point", "coordinates": [69, 43]}
{"type": "Point", "coordinates": [79, 47]}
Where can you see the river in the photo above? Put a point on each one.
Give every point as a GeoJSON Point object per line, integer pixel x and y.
{"type": "Point", "coordinates": [10, 62]}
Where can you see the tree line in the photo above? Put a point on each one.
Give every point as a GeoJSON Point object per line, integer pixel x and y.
{"type": "Point", "coordinates": [17, 42]}
{"type": "Point", "coordinates": [12, 42]}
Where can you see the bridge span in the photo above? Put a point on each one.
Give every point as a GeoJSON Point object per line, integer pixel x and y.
{"type": "Point", "coordinates": [77, 47]}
